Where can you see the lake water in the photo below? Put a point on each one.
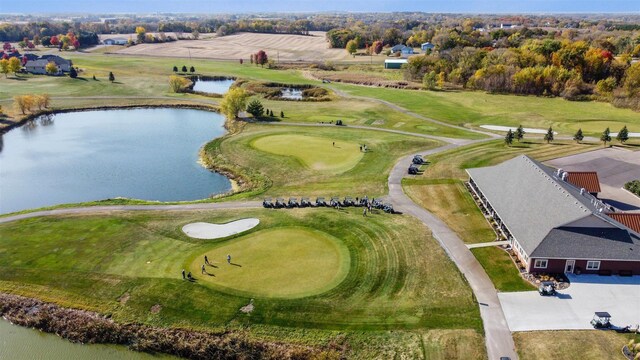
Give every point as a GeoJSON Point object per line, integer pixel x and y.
{"type": "Point", "coordinates": [19, 343]}
{"type": "Point", "coordinates": [149, 154]}
{"type": "Point", "coordinates": [213, 86]}
{"type": "Point", "coordinates": [291, 93]}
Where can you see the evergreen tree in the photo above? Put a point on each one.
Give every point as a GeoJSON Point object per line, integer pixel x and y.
{"type": "Point", "coordinates": [271, 113]}
{"type": "Point", "coordinates": [192, 70]}
{"type": "Point", "coordinates": [281, 114]}
{"type": "Point", "coordinates": [175, 68]}
{"type": "Point", "coordinates": [578, 136]}
{"type": "Point", "coordinates": [255, 108]}
{"type": "Point", "coordinates": [508, 139]}
{"type": "Point", "coordinates": [73, 73]}
{"type": "Point", "coordinates": [184, 68]}
{"type": "Point", "coordinates": [548, 137]}
{"type": "Point", "coordinates": [606, 136]}
{"type": "Point", "coordinates": [623, 135]}
{"type": "Point", "coordinates": [111, 77]}
{"type": "Point", "coordinates": [519, 134]}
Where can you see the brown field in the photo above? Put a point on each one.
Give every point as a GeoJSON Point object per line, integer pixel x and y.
{"type": "Point", "coordinates": [240, 46]}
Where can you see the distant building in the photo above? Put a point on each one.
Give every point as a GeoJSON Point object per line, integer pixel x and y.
{"type": "Point", "coordinates": [403, 50]}
{"type": "Point", "coordinates": [427, 46]}
{"type": "Point", "coordinates": [40, 67]}
{"type": "Point", "coordinates": [394, 63]}
{"type": "Point", "coordinates": [116, 41]}
{"type": "Point", "coordinates": [508, 26]}
{"type": "Point", "coordinates": [63, 64]}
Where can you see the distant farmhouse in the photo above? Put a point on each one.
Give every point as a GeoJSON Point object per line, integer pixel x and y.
{"type": "Point", "coordinates": [554, 221]}
{"type": "Point", "coordinates": [116, 41]}
{"type": "Point", "coordinates": [38, 65]}
{"type": "Point", "coordinates": [427, 47]}
{"type": "Point", "coordinates": [403, 50]}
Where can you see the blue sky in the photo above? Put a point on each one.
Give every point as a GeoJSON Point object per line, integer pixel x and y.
{"type": "Point", "coordinates": [228, 6]}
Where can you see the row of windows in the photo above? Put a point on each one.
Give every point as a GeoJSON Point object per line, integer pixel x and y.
{"type": "Point", "coordinates": [543, 263]}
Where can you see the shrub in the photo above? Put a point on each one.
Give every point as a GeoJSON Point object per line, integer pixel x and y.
{"type": "Point", "coordinates": [633, 187]}
{"type": "Point", "coordinates": [178, 84]}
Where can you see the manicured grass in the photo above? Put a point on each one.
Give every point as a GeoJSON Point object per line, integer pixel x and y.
{"type": "Point", "coordinates": [450, 200]}
{"type": "Point", "coordinates": [316, 153]}
{"type": "Point", "coordinates": [282, 262]}
{"type": "Point", "coordinates": [479, 108]}
{"type": "Point", "coordinates": [91, 261]}
{"type": "Point", "coordinates": [290, 177]}
{"type": "Point", "coordinates": [452, 164]}
{"type": "Point", "coordinates": [569, 345]}
{"type": "Point", "coordinates": [501, 269]}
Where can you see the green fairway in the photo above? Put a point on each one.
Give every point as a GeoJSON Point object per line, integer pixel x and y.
{"type": "Point", "coordinates": [479, 108]}
{"type": "Point", "coordinates": [317, 153]}
{"type": "Point", "coordinates": [347, 171]}
{"type": "Point", "coordinates": [283, 262]}
{"type": "Point", "coordinates": [377, 273]}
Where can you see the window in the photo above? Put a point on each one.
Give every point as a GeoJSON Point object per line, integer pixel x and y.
{"type": "Point", "coordinates": [593, 265]}
{"type": "Point", "coordinates": [541, 263]}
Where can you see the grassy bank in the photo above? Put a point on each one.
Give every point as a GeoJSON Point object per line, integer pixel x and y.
{"type": "Point", "coordinates": [567, 345]}
{"type": "Point", "coordinates": [128, 265]}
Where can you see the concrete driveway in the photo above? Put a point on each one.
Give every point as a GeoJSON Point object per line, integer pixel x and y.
{"type": "Point", "coordinates": [615, 167]}
{"type": "Point", "coordinates": [573, 308]}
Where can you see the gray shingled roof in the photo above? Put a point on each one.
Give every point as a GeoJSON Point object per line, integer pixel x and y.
{"type": "Point", "coordinates": [598, 243]}
{"type": "Point", "coordinates": [529, 199]}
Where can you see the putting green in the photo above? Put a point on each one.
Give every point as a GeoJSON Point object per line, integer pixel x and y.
{"type": "Point", "coordinates": [284, 262]}
{"type": "Point", "coordinates": [317, 153]}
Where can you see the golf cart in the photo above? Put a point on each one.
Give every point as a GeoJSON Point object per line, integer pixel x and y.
{"type": "Point", "coordinates": [413, 169]}
{"type": "Point", "coordinates": [388, 208]}
{"type": "Point", "coordinates": [377, 203]}
{"type": "Point", "coordinates": [348, 201]}
{"type": "Point", "coordinates": [335, 201]}
{"type": "Point", "coordinates": [320, 201]}
{"type": "Point", "coordinates": [547, 288]}
{"type": "Point", "coordinates": [305, 202]}
{"type": "Point", "coordinates": [418, 160]}
{"type": "Point", "coordinates": [267, 202]}
{"type": "Point", "coordinates": [293, 202]}
{"type": "Point", "coordinates": [280, 203]}
{"type": "Point", "coordinates": [364, 201]}
{"type": "Point", "coordinates": [601, 320]}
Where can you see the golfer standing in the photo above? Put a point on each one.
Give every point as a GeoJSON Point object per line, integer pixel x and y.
{"type": "Point", "coordinates": [229, 259]}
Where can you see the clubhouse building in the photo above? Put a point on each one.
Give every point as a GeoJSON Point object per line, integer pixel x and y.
{"type": "Point", "coordinates": [554, 220]}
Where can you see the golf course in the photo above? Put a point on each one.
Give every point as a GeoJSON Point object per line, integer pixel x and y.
{"type": "Point", "coordinates": [299, 283]}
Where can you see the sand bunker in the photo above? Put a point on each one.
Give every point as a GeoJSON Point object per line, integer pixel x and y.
{"type": "Point", "coordinates": [202, 230]}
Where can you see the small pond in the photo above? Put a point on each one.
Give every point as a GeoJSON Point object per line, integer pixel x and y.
{"type": "Point", "coordinates": [220, 86]}
{"type": "Point", "coordinates": [19, 343]}
{"type": "Point", "coordinates": [291, 93]}
{"type": "Point", "coordinates": [149, 154]}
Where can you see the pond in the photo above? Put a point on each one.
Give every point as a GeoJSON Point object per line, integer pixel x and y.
{"type": "Point", "coordinates": [18, 343]}
{"type": "Point", "coordinates": [213, 86]}
{"type": "Point", "coordinates": [149, 154]}
{"type": "Point", "coordinates": [291, 93]}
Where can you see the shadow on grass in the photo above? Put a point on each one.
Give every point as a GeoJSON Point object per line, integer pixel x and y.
{"type": "Point", "coordinates": [234, 264]}
{"type": "Point", "coordinates": [81, 78]}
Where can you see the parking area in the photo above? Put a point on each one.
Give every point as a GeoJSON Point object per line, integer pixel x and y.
{"type": "Point", "coordinates": [574, 307]}
{"type": "Point", "coordinates": [615, 167]}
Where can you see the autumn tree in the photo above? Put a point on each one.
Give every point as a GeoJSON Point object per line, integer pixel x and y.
{"type": "Point", "coordinates": [42, 101]}
{"type": "Point", "coordinates": [632, 80]}
{"type": "Point", "coordinates": [141, 34]}
{"type": "Point", "coordinates": [51, 68]}
{"type": "Point", "coordinates": [606, 136]}
{"type": "Point", "coordinates": [233, 102]}
{"type": "Point", "coordinates": [548, 137]}
{"type": "Point", "coordinates": [261, 58]}
{"type": "Point", "coordinates": [14, 65]}
{"type": "Point", "coordinates": [578, 136]}
{"type": "Point", "coordinates": [23, 103]}
{"type": "Point", "coordinates": [178, 84]}
{"type": "Point", "coordinates": [54, 40]}
{"type": "Point", "coordinates": [4, 67]}
{"type": "Point", "coordinates": [623, 135]}
{"type": "Point", "coordinates": [352, 47]}
{"type": "Point", "coordinates": [255, 108]}
{"type": "Point", "coordinates": [377, 47]}
{"type": "Point", "coordinates": [429, 80]}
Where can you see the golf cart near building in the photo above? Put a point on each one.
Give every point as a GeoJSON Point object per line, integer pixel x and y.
{"type": "Point", "coordinates": [601, 320]}
{"type": "Point", "coordinates": [547, 288]}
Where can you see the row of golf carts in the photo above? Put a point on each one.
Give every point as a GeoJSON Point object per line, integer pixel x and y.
{"type": "Point", "coordinates": [415, 163]}
{"type": "Point", "coordinates": [348, 201]}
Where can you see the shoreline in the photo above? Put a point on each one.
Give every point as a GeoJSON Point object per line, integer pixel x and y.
{"type": "Point", "coordinates": [236, 180]}
{"type": "Point", "coordinates": [86, 327]}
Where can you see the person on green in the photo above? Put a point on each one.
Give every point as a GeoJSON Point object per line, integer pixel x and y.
{"type": "Point", "coordinates": [229, 259]}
